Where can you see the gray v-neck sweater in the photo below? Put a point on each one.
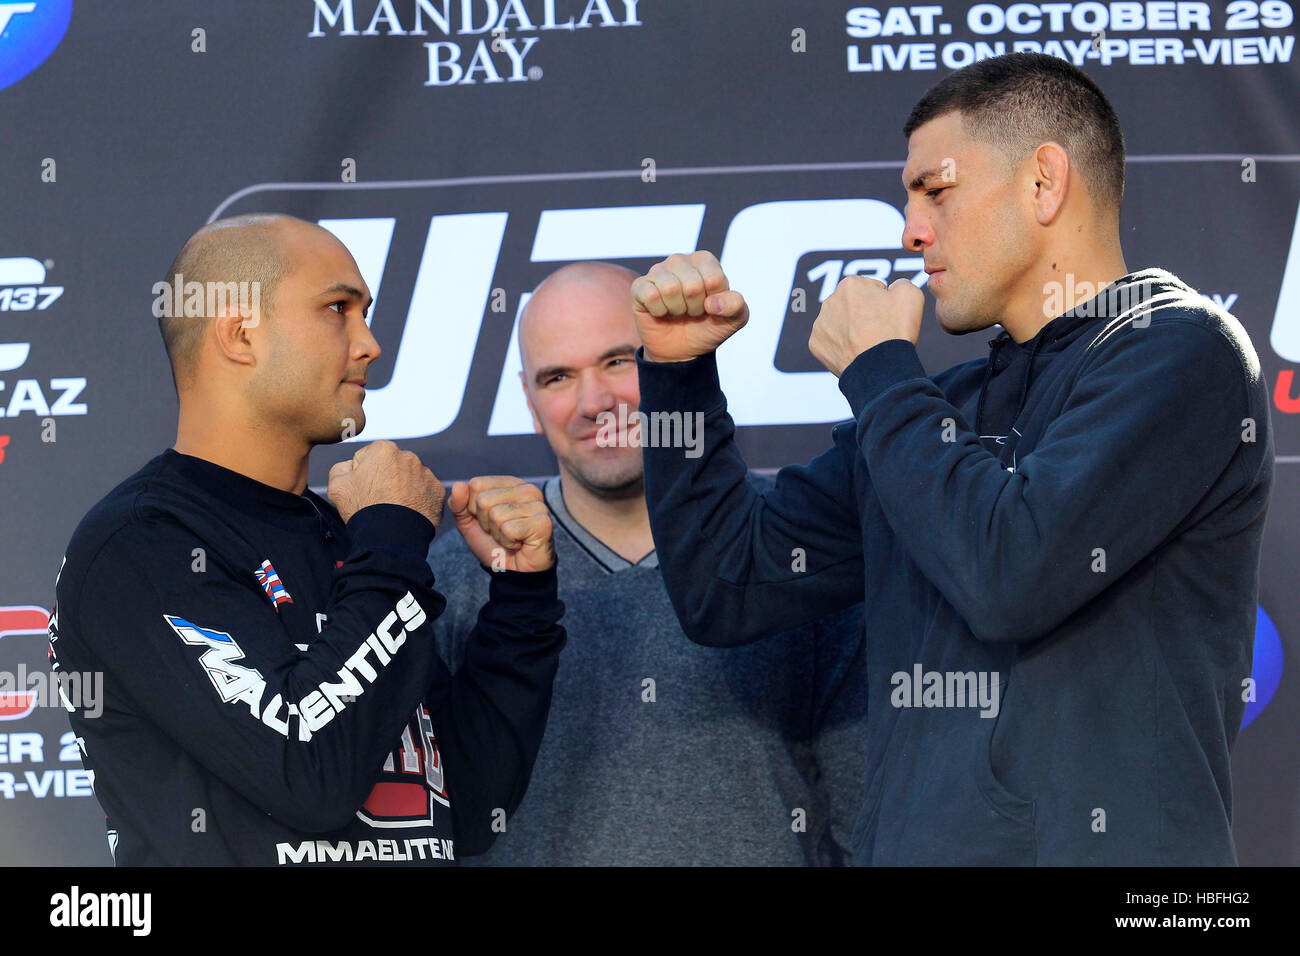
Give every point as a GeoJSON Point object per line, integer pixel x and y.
{"type": "Point", "coordinates": [659, 751]}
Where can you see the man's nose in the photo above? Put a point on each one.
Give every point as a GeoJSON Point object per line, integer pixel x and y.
{"type": "Point", "coordinates": [594, 394]}
{"type": "Point", "coordinates": [917, 232]}
{"type": "Point", "coordinates": [364, 343]}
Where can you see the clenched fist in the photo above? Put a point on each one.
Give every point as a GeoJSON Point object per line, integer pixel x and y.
{"type": "Point", "coordinates": [862, 313]}
{"type": "Point", "coordinates": [505, 522]}
{"type": "Point", "coordinates": [684, 307]}
{"type": "Point", "coordinates": [382, 473]}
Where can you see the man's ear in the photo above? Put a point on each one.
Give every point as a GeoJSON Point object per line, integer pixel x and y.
{"type": "Point", "coordinates": [1050, 166]}
{"type": "Point", "coordinates": [233, 334]}
{"type": "Point", "coordinates": [537, 425]}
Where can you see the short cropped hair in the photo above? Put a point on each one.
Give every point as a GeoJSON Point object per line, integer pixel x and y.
{"type": "Point", "coordinates": [1019, 101]}
{"type": "Point", "coordinates": [238, 249]}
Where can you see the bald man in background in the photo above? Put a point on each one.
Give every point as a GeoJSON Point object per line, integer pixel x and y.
{"type": "Point", "coordinates": [657, 751]}
{"type": "Point", "coordinates": [273, 693]}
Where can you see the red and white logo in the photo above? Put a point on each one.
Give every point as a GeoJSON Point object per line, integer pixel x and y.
{"type": "Point", "coordinates": [411, 780]}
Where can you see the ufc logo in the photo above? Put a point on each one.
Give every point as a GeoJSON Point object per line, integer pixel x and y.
{"type": "Point", "coordinates": [454, 284]}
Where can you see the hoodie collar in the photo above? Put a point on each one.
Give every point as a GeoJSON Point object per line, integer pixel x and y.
{"type": "Point", "coordinates": [1060, 333]}
{"type": "Point", "coordinates": [1057, 334]}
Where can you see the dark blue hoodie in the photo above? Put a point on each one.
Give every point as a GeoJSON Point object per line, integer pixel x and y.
{"type": "Point", "coordinates": [1058, 550]}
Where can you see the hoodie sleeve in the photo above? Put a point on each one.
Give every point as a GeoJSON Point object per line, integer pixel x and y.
{"type": "Point", "coordinates": [739, 565]}
{"type": "Point", "coordinates": [493, 711]}
{"type": "Point", "coordinates": [200, 654]}
{"type": "Point", "coordinates": [1153, 420]}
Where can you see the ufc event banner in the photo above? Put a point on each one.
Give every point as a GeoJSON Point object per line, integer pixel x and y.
{"type": "Point", "coordinates": [464, 149]}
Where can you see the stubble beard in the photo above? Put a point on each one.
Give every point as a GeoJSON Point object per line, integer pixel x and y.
{"type": "Point", "coordinates": [625, 480]}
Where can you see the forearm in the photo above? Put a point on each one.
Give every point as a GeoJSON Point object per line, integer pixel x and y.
{"type": "Point", "coordinates": [492, 713]}
{"type": "Point", "coordinates": [1140, 439]}
{"type": "Point", "coordinates": [761, 563]}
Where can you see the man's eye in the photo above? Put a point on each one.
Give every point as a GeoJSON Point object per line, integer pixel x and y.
{"type": "Point", "coordinates": [555, 378]}
{"type": "Point", "coordinates": [341, 303]}
{"type": "Point", "coordinates": [934, 192]}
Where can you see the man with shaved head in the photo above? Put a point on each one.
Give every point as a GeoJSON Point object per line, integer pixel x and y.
{"type": "Point", "coordinates": [657, 751]}
{"type": "Point", "coordinates": [274, 695]}
{"type": "Point", "coordinates": [242, 250]}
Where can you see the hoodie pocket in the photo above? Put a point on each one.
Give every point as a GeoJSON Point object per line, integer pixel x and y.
{"type": "Point", "coordinates": [1012, 807]}
{"type": "Point", "coordinates": [940, 804]}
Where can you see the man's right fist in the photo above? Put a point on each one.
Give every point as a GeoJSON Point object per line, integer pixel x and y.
{"type": "Point", "coordinates": [684, 307]}
{"type": "Point", "coordinates": [382, 473]}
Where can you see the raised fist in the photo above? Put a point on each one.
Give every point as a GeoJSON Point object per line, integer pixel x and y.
{"type": "Point", "coordinates": [382, 473]}
{"type": "Point", "coordinates": [862, 313]}
{"type": "Point", "coordinates": [505, 522]}
{"type": "Point", "coordinates": [684, 307]}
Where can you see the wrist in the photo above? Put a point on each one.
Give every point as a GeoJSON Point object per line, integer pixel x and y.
{"type": "Point", "coordinates": [665, 360]}
{"type": "Point", "coordinates": [392, 527]}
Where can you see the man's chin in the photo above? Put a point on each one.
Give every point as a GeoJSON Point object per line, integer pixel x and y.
{"type": "Point", "coordinates": [349, 426]}
{"type": "Point", "coordinates": [956, 321]}
{"type": "Point", "coordinates": [610, 481]}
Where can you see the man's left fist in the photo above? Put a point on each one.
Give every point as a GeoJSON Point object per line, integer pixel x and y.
{"type": "Point", "coordinates": [505, 522]}
{"type": "Point", "coordinates": [862, 313]}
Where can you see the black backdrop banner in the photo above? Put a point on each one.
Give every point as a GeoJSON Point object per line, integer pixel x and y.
{"type": "Point", "coordinates": [463, 149]}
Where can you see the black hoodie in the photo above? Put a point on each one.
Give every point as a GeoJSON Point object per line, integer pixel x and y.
{"type": "Point", "coordinates": [1059, 549]}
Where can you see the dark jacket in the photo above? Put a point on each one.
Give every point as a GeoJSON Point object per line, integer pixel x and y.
{"type": "Point", "coordinates": [1090, 552]}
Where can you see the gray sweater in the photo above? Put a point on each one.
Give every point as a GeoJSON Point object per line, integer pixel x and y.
{"type": "Point", "coordinates": [659, 751]}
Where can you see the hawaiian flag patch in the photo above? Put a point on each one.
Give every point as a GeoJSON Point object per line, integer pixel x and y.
{"type": "Point", "coordinates": [270, 582]}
